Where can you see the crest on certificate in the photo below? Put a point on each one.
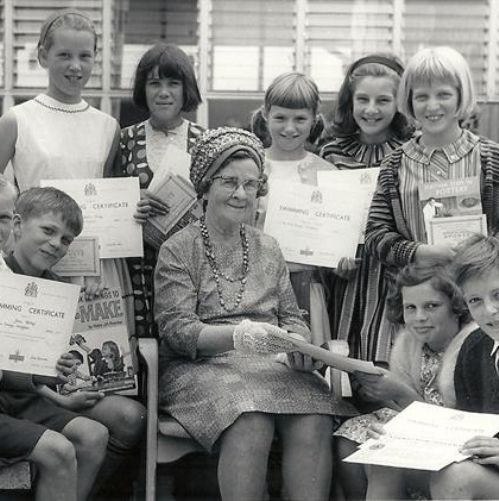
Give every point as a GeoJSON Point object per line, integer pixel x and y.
{"type": "Point", "coordinates": [316, 197]}
{"type": "Point", "coordinates": [90, 190]}
{"type": "Point", "coordinates": [31, 290]}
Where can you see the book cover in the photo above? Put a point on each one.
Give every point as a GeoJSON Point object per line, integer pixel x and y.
{"type": "Point", "coordinates": [100, 345]}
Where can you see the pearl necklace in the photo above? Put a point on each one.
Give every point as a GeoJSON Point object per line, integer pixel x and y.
{"type": "Point", "coordinates": [215, 270]}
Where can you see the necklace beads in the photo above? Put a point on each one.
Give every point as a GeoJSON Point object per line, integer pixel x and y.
{"type": "Point", "coordinates": [215, 270]}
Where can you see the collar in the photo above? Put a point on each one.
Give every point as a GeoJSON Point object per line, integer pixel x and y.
{"type": "Point", "coordinates": [494, 351]}
{"type": "Point", "coordinates": [351, 146]}
{"type": "Point", "coordinates": [453, 151]}
{"type": "Point", "coordinates": [167, 132]}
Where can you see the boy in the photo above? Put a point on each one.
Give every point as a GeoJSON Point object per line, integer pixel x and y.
{"type": "Point", "coordinates": [46, 222]}
{"type": "Point", "coordinates": [476, 377]}
{"type": "Point", "coordinates": [67, 449]}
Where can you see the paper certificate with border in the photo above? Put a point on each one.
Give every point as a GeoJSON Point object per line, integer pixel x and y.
{"type": "Point", "coordinates": [425, 437]}
{"type": "Point", "coordinates": [36, 321]}
{"type": "Point", "coordinates": [81, 259]}
{"type": "Point", "coordinates": [313, 225]}
{"type": "Point", "coordinates": [108, 207]}
{"type": "Point", "coordinates": [362, 180]}
{"type": "Point", "coordinates": [453, 230]}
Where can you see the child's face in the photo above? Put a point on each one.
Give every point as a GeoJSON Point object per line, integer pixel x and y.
{"type": "Point", "coordinates": [435, 107]}
{"type": "Point", "coordinates": [40, 242]}
{"type": "Point", "coordinates": [69, 62]}
{"type": "Point", "coordinates": [374, 106]}
{"type": "Point", "coordinates": [289, 128]}
{"type": "Point", "coordinates": [6, 215]}
{"type": "Point", "coordinates": [481, 294]}
{"type": "Point", "coordinates": [428, 315]}
{"type": "Point", "coordinates": [164, 97]}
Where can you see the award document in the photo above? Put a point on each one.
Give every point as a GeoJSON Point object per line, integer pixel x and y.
{"type": "Point", "coordinates": [452, 230]}
{"type": "Point", "coordinates": [425, 437]}
{"type": "Point", "coordinates": [108, 206]}
{"type": "Point", "coordinates": [100, 345]}
{"type": "Point", "coordinates": [313, 225]}
{"type": "Point", "coordinates": [363, 181]}
{"type": "Point", "coordinates": [36, 321]}
{"type": "Point", "coordinates": [82, 259]}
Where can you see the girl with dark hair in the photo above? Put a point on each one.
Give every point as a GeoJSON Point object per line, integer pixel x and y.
{"type": "Point", "coordinates": [365, 129]}
{"type": "Point", "coordinates": [288, 123]}
{"type": "Point", "coordinates": [435, 321]}
{"type": "Point", "coordinates": [165, 86]}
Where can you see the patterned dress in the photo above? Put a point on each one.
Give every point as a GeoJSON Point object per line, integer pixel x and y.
{"type": "Point", "coordinates": [142, 150]}
{"type": "Point", "coordinates": [354, 306]}
{"type": "Point", "coordinates": [207, 394]}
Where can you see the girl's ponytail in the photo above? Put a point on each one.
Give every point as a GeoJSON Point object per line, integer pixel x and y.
{"type": "Point", "coordinates": [317, 128]}
{"type": "Point", "coordinates": [260, 128]}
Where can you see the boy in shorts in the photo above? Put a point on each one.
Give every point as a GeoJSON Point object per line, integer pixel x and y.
{"type": "Point", "coordinates": [67, 448]}
{"type": "Point", "coordinates": [476, 377]}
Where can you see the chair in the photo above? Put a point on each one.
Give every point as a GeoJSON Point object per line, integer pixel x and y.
{"type": "Point", "coordinates": [166, 440]}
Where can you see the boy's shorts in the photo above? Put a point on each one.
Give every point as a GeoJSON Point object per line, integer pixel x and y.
{"type": "Point", "coordinates": [19, 434]}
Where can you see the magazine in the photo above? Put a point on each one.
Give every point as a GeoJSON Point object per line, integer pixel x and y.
{"type": "Point", "coordinates": [101, 346]}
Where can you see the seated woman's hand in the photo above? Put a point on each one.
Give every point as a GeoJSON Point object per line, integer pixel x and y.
{"type": "Point", "coordinates": [260, 337]}
{"type": "Point", "coordinates": [346, 268]}
{"type": "Point", "coordinates": [375, 430]}
{"type": "Point", "coordinates": [148, 206]}
{"type": "Point", "coordinates": [384, 386]}
{"type": "Point", "coordinates": [434, 254]}
{"type": "Point", "coordinates": [483, 450]}
{"type": "Point", "coordinates": [301, 362]}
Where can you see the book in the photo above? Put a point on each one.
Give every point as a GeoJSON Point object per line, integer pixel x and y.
{"type": "Point", "coordinates": [101, 346]}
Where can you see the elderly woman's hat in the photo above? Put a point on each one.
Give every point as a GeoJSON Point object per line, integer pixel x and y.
{"type": "Point", "coordinates": [215, 146]}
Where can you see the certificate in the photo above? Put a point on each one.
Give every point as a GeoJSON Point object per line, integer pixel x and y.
{"type": "Point", "coordinates": [452, 230]}
{"type": "Point", "coordinates": [313, 225]}
{"type": "Point", "coordinates": [363, 181]}
{"type": "Point", "coordinates": [425, 437]}
{"type": "Point", "coordinates": [36, 321]}
{"type": "Point", "coordinates": [81, 259]}
{"type": "Point", "coordinates": [108, 207]}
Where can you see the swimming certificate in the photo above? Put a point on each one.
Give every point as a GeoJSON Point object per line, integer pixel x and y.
{"type": "Point", "coordinates": [36, 322]}
{"type": "Point", "coordinates": [108, 207]}
{"type": "Point", "coordinates": [314, 225]}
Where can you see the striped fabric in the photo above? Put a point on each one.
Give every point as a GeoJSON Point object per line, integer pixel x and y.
{"type": "Point", "coordinates": [355, 315]}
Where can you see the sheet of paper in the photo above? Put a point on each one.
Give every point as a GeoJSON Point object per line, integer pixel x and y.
{"type": "Point", "coordinates": [425, 437]}
{"type": "Point", "coordinates": [313, 225]}
{"type": "Point", "coordinates": [108, 206]}
{"type": "Point", "coordinates": [363, 181]}
{"type": "Point", "coordinates": [81, 259]}
{"type": "Point", "coordinates": [36, 321]}
{"type": "Point", "coordinates": [455, 229]}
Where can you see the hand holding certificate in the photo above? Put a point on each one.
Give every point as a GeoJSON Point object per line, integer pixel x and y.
{"type": "Point", "coordinates": [425, 437]}
{"type": "Point", "coordinates": [36, 320]}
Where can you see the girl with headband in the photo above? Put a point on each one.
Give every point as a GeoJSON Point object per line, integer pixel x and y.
{"type": "Point", "coordinates": [58, 135]}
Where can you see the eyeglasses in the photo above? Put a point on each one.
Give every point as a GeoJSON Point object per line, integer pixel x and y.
{"type": "Point", "coordinates": [232, 184]}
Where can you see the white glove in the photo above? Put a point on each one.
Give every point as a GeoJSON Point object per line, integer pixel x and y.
{"type": "Point", "coordinates": [259, 337]}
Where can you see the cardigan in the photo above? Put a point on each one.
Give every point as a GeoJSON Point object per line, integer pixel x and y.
{"type": "Point", "coordinates": [387, 234]}
{"type": "Point", "coordinates": [475, 378]}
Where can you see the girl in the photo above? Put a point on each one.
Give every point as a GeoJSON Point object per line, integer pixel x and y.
{"type": "Point", "coordinates": [436, 89]}
{"type": "Point", "coordinates": [59, 135]}
{"type": "Point", "coordinates": [288, 122]}
{"type": "Point", "coordinates": [165, 86]}
{"type": "Point", "coordinates": [429, 306]}
{"type": "Point", "coordinates": [366, 128]}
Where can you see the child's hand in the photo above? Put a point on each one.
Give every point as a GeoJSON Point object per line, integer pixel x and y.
{"type": "Point", "coordinates": [65, 366]}
{"type": "Point", "coordinates": [375, 430]}
{"type": "Point", "coordinates": [483, 450]}
{"type": "Point", "coordinates": [346, 268]}
{"type": "Point", "coordinates": [434, 254]}
{"type": "Point", "coordinates": [79, 400]}
{"type": "Point", "coordinates": [380, 387]}
{"type": "Point", "coordinates": [148, 206]}
{"type": "Point", "coordinates": [93, 287]}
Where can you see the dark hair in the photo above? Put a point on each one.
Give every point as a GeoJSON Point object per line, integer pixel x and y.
{"type": "Point", "coordinates": [237, 155]}
{"type": "Point", "coordinates": [344, 123]}
{"type": "Point", "coordinates": [475, 257]}
{"type": "Point", "coordinates": [172, 62]}
{"type": "Point", "coordinates": [36, 202]}
{"type": "Point", "coordinates": [440, 279]}
{"type": "Point", "coordinates": [76, 354]}
{"type": "Point", "coordinates": [117, 358]}
{"type": "Point", "coordinates": [66, 18]}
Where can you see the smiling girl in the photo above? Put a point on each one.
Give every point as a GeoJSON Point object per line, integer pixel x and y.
{"type": "Point", "coordinates": [366, 128]}
{"type": "Point", "coordinates": [288, 122]}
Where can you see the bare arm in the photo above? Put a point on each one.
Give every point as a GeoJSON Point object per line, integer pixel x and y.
{"type": "Point", "coordinates": [8, 133]}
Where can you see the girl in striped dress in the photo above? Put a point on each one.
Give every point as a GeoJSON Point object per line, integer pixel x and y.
{"type": "Point", "coordinates": [366, 128]}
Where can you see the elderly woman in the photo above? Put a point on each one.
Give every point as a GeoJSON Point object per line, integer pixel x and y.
{"type": "Point", "coordinates": [221, 289]}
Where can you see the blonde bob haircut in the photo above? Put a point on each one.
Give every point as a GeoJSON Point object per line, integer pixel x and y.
{"type": "Point", "coordinates": [437, 64]}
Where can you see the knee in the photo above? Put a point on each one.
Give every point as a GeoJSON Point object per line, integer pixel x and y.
{"type": "Point", "coordinates": [251, 433]}
{"type": "Point", "coordinates": [129, 422]}
{"type": "Point", "coordinates": [453, 482]}
{"type": "Point", "coordinates": [313, 430]}
{"type": "Point", "coordinates": [55, 453]}
{"type": "Point", "coordinates": [91, 437]}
